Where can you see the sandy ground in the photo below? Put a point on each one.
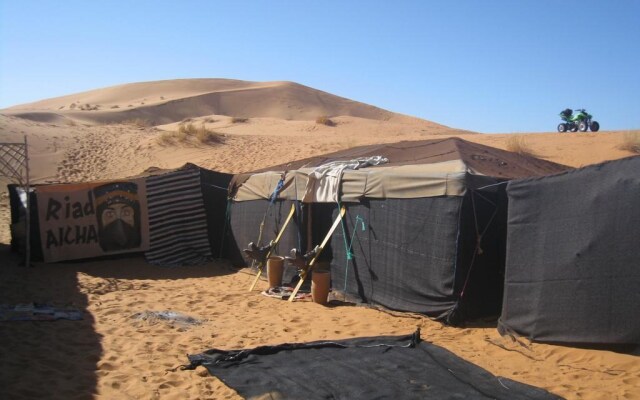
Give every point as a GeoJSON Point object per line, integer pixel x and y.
{"type": "Point", "coordinates": [114, 354]}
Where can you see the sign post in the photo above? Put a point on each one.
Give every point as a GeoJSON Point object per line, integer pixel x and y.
{"type": "Point", "coordinates": [14, 164]}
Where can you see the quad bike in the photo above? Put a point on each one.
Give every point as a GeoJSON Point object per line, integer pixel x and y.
{"type": "Point", "coordinates": [580, 121]}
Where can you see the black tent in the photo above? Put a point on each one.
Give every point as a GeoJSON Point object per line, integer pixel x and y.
{"type": "Point", "coordinates": [573, 265]}
{"type": "Point", "coordinates": [422, 232]}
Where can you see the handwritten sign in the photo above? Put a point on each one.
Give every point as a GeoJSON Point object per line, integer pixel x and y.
{"type": "Point", "coordinates": [92, 219]}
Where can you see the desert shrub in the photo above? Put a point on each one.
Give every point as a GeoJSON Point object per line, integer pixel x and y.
{"type": "Point", "coordinates": [210, 120]}
{"type": "Point", "coordinates": [71, 122]}
{"type": "Point", "coordinates": [518, 145]}
{"type": "Point", "coordinates": [72, 106]}
{"type": "Point", "coordinates": [166, 138]}
{"type": "Point", "coordinates": [116, 106]}
{"type": "Point", "coordinates": [187, 129]}
{"type": "Point", "coordinates": [206, 136]}
{"type": "Point", "coordinates": [181, 135]}
{"type": "Point", "coordinates": [139, 122]}
{"type": "Point", "coordinates": [631, 142]}
{"type": "Point", "coordinates": [324, 120]}
{"type": "Point", "coordinates": [236, 120]}
{"type": "Point", "coordinates": [89, 107]}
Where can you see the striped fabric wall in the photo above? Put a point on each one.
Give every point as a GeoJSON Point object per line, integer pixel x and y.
{"type": "Point", "coordinates": [177, 220]}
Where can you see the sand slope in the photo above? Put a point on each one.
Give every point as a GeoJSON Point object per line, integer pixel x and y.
{"type": "Point", "coordinates": [111, 354]}
{"type": "Point", "coordinates": [163, 102]}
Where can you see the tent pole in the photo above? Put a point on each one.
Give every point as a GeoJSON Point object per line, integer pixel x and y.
{"type": "Point", "coordinates": [28, 207]}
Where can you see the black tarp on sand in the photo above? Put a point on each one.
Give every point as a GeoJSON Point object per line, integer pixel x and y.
{"type": "Point", "coordinates": [400, 367]}
{"type": "Point", "coordinates": [573, 256]}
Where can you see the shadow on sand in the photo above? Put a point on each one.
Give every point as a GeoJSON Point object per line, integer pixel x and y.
{"type": "Point", "coordinates": [59, 359]}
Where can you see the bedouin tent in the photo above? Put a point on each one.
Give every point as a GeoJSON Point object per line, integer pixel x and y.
{"type": "Point", "coordinates": [573, 261]}
{"type": "Point", "coordinates": [424, 228]}
{"type": "Point", "coordinates": [175, 217]}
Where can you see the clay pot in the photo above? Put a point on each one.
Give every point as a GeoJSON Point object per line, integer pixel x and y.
{"type": "Point", "coordinates": [320, 284]}
{"type": "Point", "coordinates": [275, 269]}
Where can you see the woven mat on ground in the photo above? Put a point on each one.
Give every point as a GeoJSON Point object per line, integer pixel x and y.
{"type": "Point", "coordinates": [401, 367]}
{"type": "Point", "coordinates": [38, 312]}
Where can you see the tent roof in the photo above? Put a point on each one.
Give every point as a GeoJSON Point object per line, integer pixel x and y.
{"type": "Point", "coordinates": [415, 169]}
{"type": "Point", "coordinates": [480, 159]}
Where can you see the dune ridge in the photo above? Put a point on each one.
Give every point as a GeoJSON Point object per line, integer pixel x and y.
{"type": "Point", "coordinates": [164, 102]}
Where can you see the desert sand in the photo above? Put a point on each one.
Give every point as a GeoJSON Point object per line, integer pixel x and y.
{"type": "Point", "coordinates": [114, 353]}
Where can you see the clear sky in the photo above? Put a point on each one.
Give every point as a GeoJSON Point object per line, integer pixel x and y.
{"type": "Point", "coordinates": [483, 65]}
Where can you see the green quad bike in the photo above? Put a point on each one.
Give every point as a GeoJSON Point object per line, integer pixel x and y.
{"type": "Point", "coordinates": [581, 121]}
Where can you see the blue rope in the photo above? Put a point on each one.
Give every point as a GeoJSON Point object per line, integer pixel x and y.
{"type": "Point", "coordinates": [278, 188]}
{"type": "Point", "coordinates": [349, 245]}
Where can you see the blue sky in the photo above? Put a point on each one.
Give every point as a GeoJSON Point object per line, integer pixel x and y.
{"type": "Point", "coordinates": [488, 66]}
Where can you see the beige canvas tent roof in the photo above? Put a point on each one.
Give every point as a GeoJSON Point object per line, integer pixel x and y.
{"type": "Point", "coordinates": [414, 169]}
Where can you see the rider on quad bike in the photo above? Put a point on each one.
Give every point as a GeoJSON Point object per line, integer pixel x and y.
{"type": "Point", "coordinates": [581, 121]}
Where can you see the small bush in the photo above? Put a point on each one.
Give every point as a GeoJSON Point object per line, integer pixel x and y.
{"type": "Point", "coordinates": [181, 136]}
{"type": "Point", "coordinates": [190, 134]}
{"type": "Point", "coordinates": [116, 106]}
{"type": "Point", "coordinates": [324, 120]}
{"type": "Point", "coordinates": [631, 142]}
{"type": "Point", "coordinates": [187, 129]}
{"type": "Point", "coordinates": [518, 145]}
{"type": "Point", "coordinates": [206, 136]}
{"type": "Point", "coordinates": [166, 138]}
{"type": "Point", "coordinates": [210, 120]}
{"type": "Point", "coordinates": [237, 120]}
{"type": "Point", "coordinates": [71, 122]}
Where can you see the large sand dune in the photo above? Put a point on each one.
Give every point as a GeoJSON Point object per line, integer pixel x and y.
{"type": "Point", "coordinates": [111, 354]}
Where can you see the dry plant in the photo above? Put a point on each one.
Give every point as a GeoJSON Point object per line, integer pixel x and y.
{"type": "Point", "coordinates": [166, 138]}
{"type": "Point", "coordinates": [187, 129]}
{"type": "Point", "coordinates": [139, 122]}
{"type": "Point", "coordinates": [236, 120]}
{"type": "Point", "coordinates": [89, 107]}
{"type": "Point", "coordinates": [206, 136]}
{"type": "Point", "coordinates": [210, 120]}
{"type": "Point", "coordinates": [517, 144]}
{"type": "Point", "coordinates": [631, 142]}
{"type": "Point", "coordinates": [189, 132]}
{"type": "Point", "coordinates": [324, 120]}
{"type": "Point", "coordinates": [71, 122]}
{"type": "Point", "coordinates": [116, 106]}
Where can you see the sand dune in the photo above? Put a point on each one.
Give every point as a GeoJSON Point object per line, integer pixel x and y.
{"type": "Point", "coordinates": [164, 102]}
{"type": "Point", "coordinates": [113, 354]}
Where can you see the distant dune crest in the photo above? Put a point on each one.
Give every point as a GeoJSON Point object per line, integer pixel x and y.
{"type": "Point", "coordinates": [169, 101]}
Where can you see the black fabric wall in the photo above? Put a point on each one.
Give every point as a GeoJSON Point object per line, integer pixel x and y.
{"type": "Point", "coordinates": [245, 220]}
{"type": "Point", "coordinates": [214, 194]}
{"type": "Point", "coordinates": [405, 259]}
{"type": "Point", "coordinates": [418, 254]}
{"type": "Point", "coordinates": [481, 253]}
{"type": "Point", "coordinates": [573, 265]}
{"type": "Point", "coordinates": [18, 214]}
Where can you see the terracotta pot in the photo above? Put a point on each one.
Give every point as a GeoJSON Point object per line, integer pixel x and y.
{"type": "Point", "coordinates": [275, 269]}
{"type": "Point", "coordinates": [320, 284]}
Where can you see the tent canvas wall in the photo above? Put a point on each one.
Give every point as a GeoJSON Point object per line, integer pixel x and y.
{"type": "Point", "coordinates": [573, 265]}
{"type": "Point", "coordinates": [422, 212]}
